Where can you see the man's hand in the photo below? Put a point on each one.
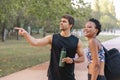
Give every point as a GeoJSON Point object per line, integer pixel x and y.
{"type": "Point", "coordinates": [67, 60]}
{"type": "Point", "coordinates": [21, 31]}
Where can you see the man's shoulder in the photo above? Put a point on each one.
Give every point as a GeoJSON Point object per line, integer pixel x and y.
{"type": "Point", "coordinates": [51, 35]}
{"type": "Point", "coordinates": [55, 35]}
{"type": "Point", "coordinates": [74, 36]}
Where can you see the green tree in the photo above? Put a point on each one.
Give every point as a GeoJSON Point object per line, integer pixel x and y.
{"type": "Point", "coordinates": [105, 12]}
{"type": "Point", "coordinates": [96, 9]}
{"type": "Point", "coordinates": [38, 14]}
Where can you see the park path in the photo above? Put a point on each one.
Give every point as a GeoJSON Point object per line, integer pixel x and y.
{"type": "Point", "coordinates": [39, 72]}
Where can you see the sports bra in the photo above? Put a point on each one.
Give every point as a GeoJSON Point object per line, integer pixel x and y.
{"type": "Point", "coordinates": [101, 53]}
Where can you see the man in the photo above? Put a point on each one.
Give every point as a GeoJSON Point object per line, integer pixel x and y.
{"type": "Point", "coordinates": [64, 39]}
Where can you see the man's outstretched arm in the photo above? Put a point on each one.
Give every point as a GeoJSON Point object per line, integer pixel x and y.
{"type": "Point", "coordinates": [33, 41]}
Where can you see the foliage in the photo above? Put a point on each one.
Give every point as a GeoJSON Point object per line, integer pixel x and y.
{"type": "Point", "coordinates": [39, 14]}
{"type": "Point", "coordinates": [104, 11]}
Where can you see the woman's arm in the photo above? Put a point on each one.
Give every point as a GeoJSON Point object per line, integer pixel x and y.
{"type": "Point", "coordinates": [95, 65]}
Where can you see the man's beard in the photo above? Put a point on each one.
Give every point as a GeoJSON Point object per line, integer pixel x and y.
{"type": "Point", "coordinates": [63, 29]}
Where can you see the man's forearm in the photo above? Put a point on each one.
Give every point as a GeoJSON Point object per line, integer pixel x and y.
{"type": "Point", "coordinates": [31, 40]}
{"type": "Point", "coordinates": [79, 59]}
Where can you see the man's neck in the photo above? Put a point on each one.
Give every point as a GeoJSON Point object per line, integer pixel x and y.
{"type": "Point", "coordinates": [65, 34]}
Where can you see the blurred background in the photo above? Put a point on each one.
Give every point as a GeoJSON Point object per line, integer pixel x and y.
{"type": "Point", "coordinates": [41, 18]}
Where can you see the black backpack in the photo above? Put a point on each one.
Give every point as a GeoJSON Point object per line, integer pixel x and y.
{"type": "Point", "coordinates": [112, 64]}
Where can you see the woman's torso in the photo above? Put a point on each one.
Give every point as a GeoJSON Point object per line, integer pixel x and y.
{"type": "Point", "coordinates": [101, 56]}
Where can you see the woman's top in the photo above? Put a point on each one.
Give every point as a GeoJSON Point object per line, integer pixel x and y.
{"type": "Point", "coordinates": [101, 54]}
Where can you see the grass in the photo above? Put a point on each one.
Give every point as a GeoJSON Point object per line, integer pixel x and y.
{"type": "Point", "coordinates": [16, 55]}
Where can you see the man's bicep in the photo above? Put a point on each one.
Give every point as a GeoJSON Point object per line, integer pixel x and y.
{"type": "Point", "coordinates": [80, 50]}
{"type": "Point", "coordinates": [48, 39]}
{"type": "Point", "coordinates": [45, 41]}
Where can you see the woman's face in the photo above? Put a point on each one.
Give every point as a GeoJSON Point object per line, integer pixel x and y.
{"type": "Point", "coordinates": [90, 29]}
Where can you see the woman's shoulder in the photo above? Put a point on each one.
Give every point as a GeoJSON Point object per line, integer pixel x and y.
{"type": "Point", "coordinates": [92, 41]}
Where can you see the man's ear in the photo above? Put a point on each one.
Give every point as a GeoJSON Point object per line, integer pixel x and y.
{"type": "Point", "coordinates": [71, 26]}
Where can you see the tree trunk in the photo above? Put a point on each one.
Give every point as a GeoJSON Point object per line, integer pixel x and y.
{"type": "Point", "coordinates": [3, 32]}
{"type": "Point", "coordinates": [18, 25]}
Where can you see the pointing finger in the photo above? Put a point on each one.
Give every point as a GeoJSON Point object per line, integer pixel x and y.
{"type": "Point", "coordinates": [17, 28]}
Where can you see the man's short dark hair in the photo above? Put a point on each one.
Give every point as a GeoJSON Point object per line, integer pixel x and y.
{"type": "Point", "coordinates": [70, 19]}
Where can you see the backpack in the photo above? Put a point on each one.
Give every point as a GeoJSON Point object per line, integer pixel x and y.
{"type": "Point", "coordinates": [112, 64]}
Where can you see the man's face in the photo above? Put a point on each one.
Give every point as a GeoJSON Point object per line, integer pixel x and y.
{"type": "Point", "coordinates": [64, 24]}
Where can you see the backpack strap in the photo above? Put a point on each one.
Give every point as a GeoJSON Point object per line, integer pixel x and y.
{"type": "Point", "coordinates": [106, 52]}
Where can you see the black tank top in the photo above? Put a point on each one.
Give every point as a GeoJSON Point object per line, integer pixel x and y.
{"type": "Point", "coordinates": [62, 73]}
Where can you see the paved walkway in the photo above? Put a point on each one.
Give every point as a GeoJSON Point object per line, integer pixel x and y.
{"type": "Point", "coordinates": [39, 72]}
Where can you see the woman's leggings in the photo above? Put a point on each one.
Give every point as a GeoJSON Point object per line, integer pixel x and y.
{"type": "Point", "coordinates": [100, 77]}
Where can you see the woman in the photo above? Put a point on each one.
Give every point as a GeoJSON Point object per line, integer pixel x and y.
{"type": "Point", "coordinates": [95, 54]}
